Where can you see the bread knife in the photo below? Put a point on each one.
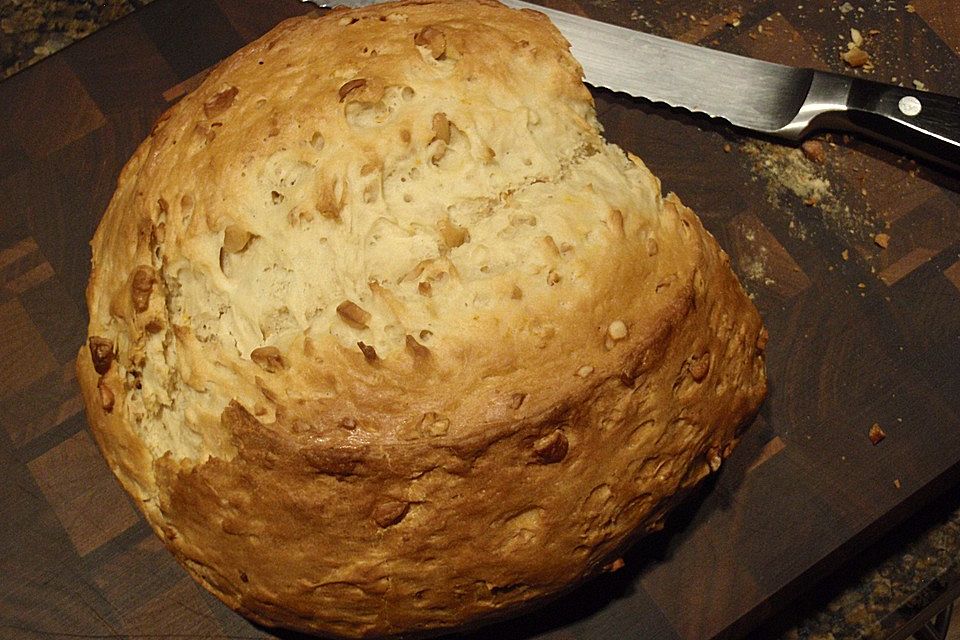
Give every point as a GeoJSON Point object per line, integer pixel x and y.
{"type": "Point", "coordinates": [763, 97]}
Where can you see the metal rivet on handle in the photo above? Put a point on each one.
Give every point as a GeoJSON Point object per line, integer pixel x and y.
{"type": "Point", "coordinates": [909, 106]}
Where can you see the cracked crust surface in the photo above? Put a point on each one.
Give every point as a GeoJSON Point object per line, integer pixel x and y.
{"type": "Point", "coordinates": [385, 338]}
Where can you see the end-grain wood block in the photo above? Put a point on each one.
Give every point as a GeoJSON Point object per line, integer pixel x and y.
{"type": "Point", "coordinates": [133, 574]}
{"type": "Point", "coordinates": [908, 262]}
{"type": "Point", "coordinates": [18, 264]}
{"type": "Point", "coordinates": [776, 39]}
{"type": "Point", "coordinates": [253, 18]}
{"type": "Point", "coordinates": [82, 492]}
{"type": "Point", "coordinates": [204, 35]}
{"type": "Point", "coordinates": [125, 72]}
{"type": "Point", "coordinates": [179, 611]}
{"type": "Point", "coordinates": [44, 405]}
{"type": "Point", "coordinates": [24, 357]}
{"type": "Point", "coordinates": [55, 603]}
{"type": "Point", "coordinates": [762, 260]}
{"type": "Point", "coordinates": [942, 16]}
{"type": "Point", "coordinates": [48, 110]}
{"type": "Point", "coordinates": [953, 274]}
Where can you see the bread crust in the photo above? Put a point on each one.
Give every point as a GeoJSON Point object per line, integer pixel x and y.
{"type": "Point", "coordinates": [432, 478]}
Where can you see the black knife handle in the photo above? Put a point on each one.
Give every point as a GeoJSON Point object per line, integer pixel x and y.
{"type": "Point", "coordinates": [926, 124]}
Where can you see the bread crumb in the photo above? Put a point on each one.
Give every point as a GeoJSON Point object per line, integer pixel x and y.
{"type": "Point", "coordinates": [919, 85]}
{"type": "Point", "coordinates": [726, 148]}
{"type": "Point", "coordinates": [855, 57]}
{"type": "Point", "coordinates": [882, 240]}
{"type": "Point", "coordinates": [896, 483]}
{"type": "Point", "coordinates": [876, 434]}
{"type": "Point", "coordinates": [814, 152]}
{"type": "Point", "coordinates": [616, 565]}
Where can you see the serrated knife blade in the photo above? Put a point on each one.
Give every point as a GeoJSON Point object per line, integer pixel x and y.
{"type": "Point", "coordinates": [768, 98]}
{"type": "Point", "coordinates": [748, 93]}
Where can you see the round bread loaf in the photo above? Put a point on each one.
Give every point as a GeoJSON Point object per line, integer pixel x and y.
{"type": "Point", "coordinates": [386, 338]}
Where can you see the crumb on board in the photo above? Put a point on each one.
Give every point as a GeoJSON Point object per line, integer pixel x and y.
{"type": "Point", "coordinates": [813, 150]}
{"type": "Point", "coordinates": [882, 240]}
{"type": "Point", "coordinates": [788, 174]}
{"type": "Point", "coordinates": [856, 57]}
{"type": "Point", "coordinates": [877, 434]}
{"type": "Point", "coordinates": [790, 169]}
{"type": "Point", "coordinates": [896, 483]}
{"type": "Point", "coordinates": [616, 565]}
{"type": "Point", "coordinates": [845, 254]}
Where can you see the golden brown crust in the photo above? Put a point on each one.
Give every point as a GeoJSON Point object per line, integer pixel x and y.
{"type": "Point", "coordinates": [533, 354]}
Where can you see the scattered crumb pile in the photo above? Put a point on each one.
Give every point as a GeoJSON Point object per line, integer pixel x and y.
{"type": "Point", "coordinates": [804, 174]}
{"type": "Point", "coordinates": [790, 170]}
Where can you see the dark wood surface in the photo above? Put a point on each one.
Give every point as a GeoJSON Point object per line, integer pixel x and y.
{"type": "Point", "coordinates": [860, 334]}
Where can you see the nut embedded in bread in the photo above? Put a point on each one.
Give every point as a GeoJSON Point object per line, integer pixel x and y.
{"type": "Point", "coordinates": [385, 338]}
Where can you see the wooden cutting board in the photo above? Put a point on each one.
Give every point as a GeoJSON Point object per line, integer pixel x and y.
{"type": "Point", "coordinates": [860, 333]}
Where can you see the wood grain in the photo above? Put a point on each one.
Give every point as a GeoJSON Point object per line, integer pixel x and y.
{"type": "Point", "coordinates": [23, 356]}
{"type": "Point", "coordinates": [76, 482]}
{"type": "Point", "coordinates": [860, 333]}
{"type": "Point", "coordinates": [68, 112]}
